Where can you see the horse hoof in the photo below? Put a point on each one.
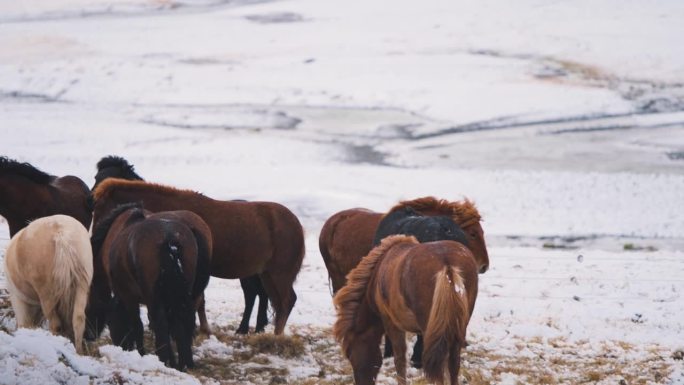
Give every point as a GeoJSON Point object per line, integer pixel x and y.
{"type": "Point", "coordinates": [417, 364]}
{"type": "Point", "coordinates": [241, 331]}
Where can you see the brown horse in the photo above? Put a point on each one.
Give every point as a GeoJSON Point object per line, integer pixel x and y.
{"type": "Point", "coordinates": [348, 235]}
{"type": "Point", "coordinates": [263, 238]}
{"type": "Point", "coordinates": [406, 286]}
{"type": "Point", "coordinates": [27, 193]}
{"type": "Point", "coordinates": [160, 260]}
{"type": "Point", "coordinates": [117, 167]}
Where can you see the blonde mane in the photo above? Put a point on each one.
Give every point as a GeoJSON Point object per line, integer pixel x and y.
{"type": "Point", "coordinates": [463, 212]}
{"type": "Point", "coordinates": [349, 298]}
{"type": "Point", "coordinates": [106, 188]}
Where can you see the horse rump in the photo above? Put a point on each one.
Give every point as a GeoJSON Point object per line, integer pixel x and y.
{"type": "Point", "coordinates": [174, 312]}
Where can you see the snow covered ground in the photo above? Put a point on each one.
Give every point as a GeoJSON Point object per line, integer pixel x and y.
{"type": "Point", "coordinates": [564, 121]}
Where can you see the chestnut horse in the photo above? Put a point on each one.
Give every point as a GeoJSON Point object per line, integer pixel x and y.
{"type": "Point", "coordinates": [27, 193]}
{"type": "Point", "coordinates": [406, 286]}
{"type": "Point", "coordinates": [160, 260]}
{"type": "Point", "coordinates": [249, 238]}
{"type": "Point", "coordinates": [49, 266]}
{"type": "Point", "coordinates": [117, 167]}
{"type": "Point", "coordinates": [348, 235]}
{"type": "Point", "coordinates": [406, 221]}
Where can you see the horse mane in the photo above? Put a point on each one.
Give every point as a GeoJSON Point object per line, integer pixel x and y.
{"type": "Point", "coordinates": [119, 162]}
{"type": "Point", "coordinates": [107, 187]}
{"type": "Point", "coordinates": [102, 228]}
{"type": "Point", "coordinates": [11, 166]}
{"type": "Point", "coordinates": [349, 298]}
{"type": "Point", "coordinates": [464, 212]}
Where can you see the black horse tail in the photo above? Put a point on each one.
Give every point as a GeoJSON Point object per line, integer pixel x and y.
{"type": "Point", "coordinates": [176, 296]}
{"type": "Point", "coordinates": [202, 271]}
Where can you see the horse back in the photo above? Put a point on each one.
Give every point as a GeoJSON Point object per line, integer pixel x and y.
{"type": "Point", "coordinates": [136, 255]}
{"type": "Point", "coordinates": [346, 237]}
{"type": "Point", "coordinates": [48, 250]}
{"type": "Point", "coordinates": [245, 234]}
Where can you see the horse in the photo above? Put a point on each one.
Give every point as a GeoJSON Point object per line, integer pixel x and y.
{"type": "Point", "coordinates": [27, 193]}
{"type": "Point", "coordinates": [117, 167]}
{"type": "Point", "coordinates": [49, 266]}
{"type": "Point", "coordinates": [249, 238]}
{"type": "Point", "coordinates": [406, 286]}
{"type": "Point", "coordinates": [160, 260]}
{"type": "Point", "coordinates": [348, 235]}
{"type": "Point", "coordinates": [405, 220]}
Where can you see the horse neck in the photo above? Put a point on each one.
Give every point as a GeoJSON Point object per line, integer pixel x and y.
{"type": "Point", "coordinates": [22, 199]}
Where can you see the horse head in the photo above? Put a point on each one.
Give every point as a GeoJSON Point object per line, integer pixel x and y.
{"type": "Point", "coordinates": [114, 167]}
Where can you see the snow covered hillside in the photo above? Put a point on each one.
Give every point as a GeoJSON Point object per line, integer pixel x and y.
{"type": "Point", "coordinates": [563, 121]}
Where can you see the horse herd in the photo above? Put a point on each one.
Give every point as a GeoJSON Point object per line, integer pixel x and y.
{"type": "Point", "coordinates": [413, 269]}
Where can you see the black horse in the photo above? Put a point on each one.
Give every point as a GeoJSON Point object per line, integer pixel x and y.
{"type": "Point", "coordinates": [118, 167]}
{"type": "Point", "coordinates": [425, 228]}
{"type": "Point", "coordinates": [407, 221]}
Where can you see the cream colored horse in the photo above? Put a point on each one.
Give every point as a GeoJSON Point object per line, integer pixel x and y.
{"type": "Point", "coordinates": [49, 266]}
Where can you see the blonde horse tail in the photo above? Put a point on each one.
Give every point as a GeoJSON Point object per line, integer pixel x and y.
{"type": "Point", "coordinates": [71, 276]}
{"type": "Point", "coordinates": [446, 323]}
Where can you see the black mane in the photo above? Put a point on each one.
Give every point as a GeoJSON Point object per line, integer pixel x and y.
{"type": "Point", "coordinates": [102, 228]}
{"type": "Point", "coordinates": [120, 163]}
{"type": "Point", "coordinates": [405, 220]}
{"type": "Point", "coordinates": [11, 166]}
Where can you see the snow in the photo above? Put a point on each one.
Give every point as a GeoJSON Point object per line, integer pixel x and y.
{"type": "Point", "coordinates": [37, 357]}
{"type": "Point", "coordinates": [563, 121]}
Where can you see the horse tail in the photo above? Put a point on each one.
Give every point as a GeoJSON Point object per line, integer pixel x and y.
{"type": "Point", "coordinates": [446, 323]}
{"type": "Point", "coordinates": [202, 272]}
{"type": "Point", "coordinates": [175, 294]}
{"type": "Point", "coordinates": [71, 275]}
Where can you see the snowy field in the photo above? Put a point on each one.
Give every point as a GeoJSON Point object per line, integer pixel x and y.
{"type": "Point", "coordinates": [563, 121]}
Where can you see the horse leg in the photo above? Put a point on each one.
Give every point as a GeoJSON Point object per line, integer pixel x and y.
{"type": "Point", "coordinates": [138, 329]}
{"type": "Point", "coordinates": [454, 362]}
{"type": "Point", "coordinates": [389, 352]}
{"type": "Point", "coordinates": [118, 322]}
{"type": "Point", "coordinates": [182, 334]}
{"type": "Point", "coordinates": [202, 315]}
{"type": "Point", "coordinates": [398, 338]}
{"type": "Point", "coordinates": [249, 290]}
{"type": "Point", "coordinates": [50, 310]}
{"type": "Point", "coordinates": [262, 315]}
{"type": "Point", "coordinates": [365, 355]}
{"type": "Point", "coordinates": [78, 318]}
{"type": "Point", "coordinates": [417, 357]}
{"type": "Point", "coordinates": [162, 340]}
{"type": "Point", "coordinates": [27, 315]}
{"type": "Point", "coordinates": [282, 296]}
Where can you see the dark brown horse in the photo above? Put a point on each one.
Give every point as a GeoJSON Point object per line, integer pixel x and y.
{"type": "Point", "coordinates": [348, 235]}
{"type": "Point", "coordinates": [27, 193]}
{"type": "Point", "coordinates": [406, 286]}
{"type": "Point", "coordinates": [117, 167]}
{"type": "Point", "coordinates": [263, 238]}
{"type": "Point", "coordinates": [160, 260]}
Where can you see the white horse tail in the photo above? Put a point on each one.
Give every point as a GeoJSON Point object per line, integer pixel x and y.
{"type": "Point", "coordinates": [72, 274]}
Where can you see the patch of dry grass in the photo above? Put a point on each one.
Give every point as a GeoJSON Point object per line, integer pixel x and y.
{"type": "Point", "coordinates": [268, 359]}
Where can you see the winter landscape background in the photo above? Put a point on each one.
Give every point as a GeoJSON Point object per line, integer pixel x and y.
{"type": "Point", "coordinates": [563, 121]}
